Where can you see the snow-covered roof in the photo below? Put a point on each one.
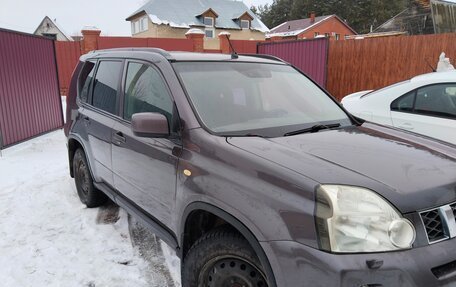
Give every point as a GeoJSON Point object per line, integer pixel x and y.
{"type": "Point", "coordinates": [69, 38]}
{"type": "Point", "coordinates": [185, 14]}
{"type": "Point", "coordinates": [296, 27]}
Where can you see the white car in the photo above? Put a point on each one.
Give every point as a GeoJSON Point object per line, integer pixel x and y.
{"type": "Point", "coordinates": [425, 104]}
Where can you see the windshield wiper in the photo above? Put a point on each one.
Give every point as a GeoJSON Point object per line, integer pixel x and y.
{"type": "Point", "coordinates": [312, 129]}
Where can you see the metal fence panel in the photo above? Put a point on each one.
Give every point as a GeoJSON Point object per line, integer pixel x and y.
{"type": "Point", "coordinates": [30, 103]}
{"type": "Point", "coordinates": [310, 56]}
{"type": "Point", "coordinates": [67, 54]}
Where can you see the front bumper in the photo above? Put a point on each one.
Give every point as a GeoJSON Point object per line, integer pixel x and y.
{"type": "Point", "coordinates": [296, 265]}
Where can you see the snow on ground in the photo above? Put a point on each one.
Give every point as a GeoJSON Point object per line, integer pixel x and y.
{"type": "Point", "coordinates": [48, 238]}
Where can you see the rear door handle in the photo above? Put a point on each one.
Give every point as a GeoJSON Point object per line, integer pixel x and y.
{"type": "Point", "coordinates": [119, 138]}
{"type": "Point", "coordinates": [86, 120]}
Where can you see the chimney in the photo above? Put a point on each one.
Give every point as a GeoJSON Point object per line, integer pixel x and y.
{"type": "Point", "coordinates": [312, 17]}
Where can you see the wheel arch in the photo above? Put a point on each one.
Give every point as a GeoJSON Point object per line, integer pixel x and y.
{"type": "Point", "coordinates": [73, 144]}
{"type": "Point", "coordinates": [234, 222]}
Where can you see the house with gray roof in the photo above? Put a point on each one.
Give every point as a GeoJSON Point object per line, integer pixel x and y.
{"type": "Point", "coordinates": [173, 18]}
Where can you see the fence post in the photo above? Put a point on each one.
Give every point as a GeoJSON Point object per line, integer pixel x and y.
{"type": "Point", "coordinates": [224, 38]}
{"type": "Point", "coordinates": [197, 37]}
{"type": "Point", "coordinates": [90, 37]}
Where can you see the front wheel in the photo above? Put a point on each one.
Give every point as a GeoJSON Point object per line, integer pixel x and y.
{"type": "Point", "coordinates": [222, 258]}
{"type": "Point", "coordinates": [87, 192]}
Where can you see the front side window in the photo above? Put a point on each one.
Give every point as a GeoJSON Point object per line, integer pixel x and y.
{"type": "Point", "coordinates": [105, 86]}
{"type": "Point", "coordinates": [85, 79]}
{"type": "Point", "coordinates": [254, 98]}
{"type": "Point", "coordinates": [316, 34]}
{"type": "Point", "coordinates": [146, 91]}
{"type": "Point", "coordinates": [438, 100]}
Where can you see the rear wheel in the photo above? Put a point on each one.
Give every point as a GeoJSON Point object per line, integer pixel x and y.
{"type": "Point", "coordinates": [222, 258]}
{"type": "Point", "coordinates": [87, 192]}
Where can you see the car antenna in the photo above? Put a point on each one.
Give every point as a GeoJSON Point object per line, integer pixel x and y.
{"type": "Point", "coordinates": [430, 66]}
{"type": "Point", "coordinates": [234, 55]}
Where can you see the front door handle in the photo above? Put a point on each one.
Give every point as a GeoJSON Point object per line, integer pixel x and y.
{"type": "Point", "coordinates": [119, 138]}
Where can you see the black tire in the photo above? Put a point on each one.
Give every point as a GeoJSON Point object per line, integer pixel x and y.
{"type": "Point", "coordinates": [222, 258]}
{"type": "Point", "coordinates": [88, 194]}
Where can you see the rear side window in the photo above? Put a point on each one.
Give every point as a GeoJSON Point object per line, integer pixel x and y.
{"type": "Point", "coordinates": [105, 86]}
{"type": "Point", "coordinates": [145, 91]}
{"type": "Point", "coordinates": [404, 103]}
{"type": "Point", "coordinates": [438, 100]}
{"type": "Point", "coordinates": [85, 78]}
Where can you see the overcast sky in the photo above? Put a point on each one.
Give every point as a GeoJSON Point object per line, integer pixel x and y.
{"type": "Point", "coordinates": [71, 16]}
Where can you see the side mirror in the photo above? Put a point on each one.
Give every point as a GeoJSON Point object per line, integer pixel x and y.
{"type": "Point", "coordinates": [153, 125]}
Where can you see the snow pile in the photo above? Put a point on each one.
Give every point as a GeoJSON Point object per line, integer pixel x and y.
{"type": "Point", "coordinates": [444, 64]}
{"type": "Point", "coordinates": [48, 238]}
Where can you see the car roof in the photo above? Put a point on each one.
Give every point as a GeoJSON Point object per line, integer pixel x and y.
{"type": "Point", "coordinates": [177, 56]}
{"type": "Point", "coordinates": [435, 76]}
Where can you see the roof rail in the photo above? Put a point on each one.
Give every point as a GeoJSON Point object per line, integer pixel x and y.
{"type": "Point", "coordinates": [162, 52]}
{"type": "Point", "coordinates": [264, 56]}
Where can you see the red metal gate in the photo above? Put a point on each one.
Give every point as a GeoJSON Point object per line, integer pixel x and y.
{"type": "Point", "coordinates": [310, 56]}
{"type": "Point", "coordinates": [30, 102]}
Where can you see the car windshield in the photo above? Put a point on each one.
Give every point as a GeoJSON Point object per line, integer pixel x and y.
{"type": "Point", "coordinates": [256, 99]}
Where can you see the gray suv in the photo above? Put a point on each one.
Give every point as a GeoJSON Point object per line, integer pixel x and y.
{"type": "Point", "coordinates": [256, 176]}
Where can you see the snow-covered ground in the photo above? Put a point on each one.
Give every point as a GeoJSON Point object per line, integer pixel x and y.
{"type": "Point", "coordinates": [48, 238]}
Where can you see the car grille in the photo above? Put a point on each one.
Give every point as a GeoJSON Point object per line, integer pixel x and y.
{"type": "Point", "coordinates": [440, 223]}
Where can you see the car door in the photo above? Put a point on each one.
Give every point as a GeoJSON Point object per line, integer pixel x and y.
{"type": "Point", "coordinates": [429, 110]}
{"type": "Point", "coordinates": [145, 168]}
{"type": "Point", "coordinates": [100, 115]}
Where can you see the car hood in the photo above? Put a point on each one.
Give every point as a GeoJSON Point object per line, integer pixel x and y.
{"type": "Point", "coordinates": [412, 172]}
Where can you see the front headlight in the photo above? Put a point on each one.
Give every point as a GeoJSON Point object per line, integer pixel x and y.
{"type": "Point", "coordinates": [353, 219]}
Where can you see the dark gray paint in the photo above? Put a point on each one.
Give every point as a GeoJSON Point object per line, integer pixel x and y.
{"type": "Point", "coordinates": [266, 187]}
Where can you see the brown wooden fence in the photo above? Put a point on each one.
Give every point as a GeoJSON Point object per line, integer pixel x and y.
{"type": "Point", "coordinates": [374, 63]}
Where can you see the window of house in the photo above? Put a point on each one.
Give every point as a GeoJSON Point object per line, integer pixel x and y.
{"type": "Point", "coordinates": [347, 37]}
{"type": "Point", "coordinates": [50, 36]}
{"type": "Point", "coordinates": [209, 33]}
{"type": "Point", "coordinates": [327, 35]}
{"type": "Point", "coordinates": [337, 37]}
{"type": "Point", "coordinates": [85, 79]}
{"type": "Point", "coordinates": [316, 34]}
{"type": "Point", "coordinates": [140, 25]}
{"type": "Point", "coordinates": [143, 26]}
{"type": "Point", "coordinates": [105, 86]}
{"type": "Point", "coordinates": [245, 24]}
{"type": "Point", "coordinates": [146, 91]}
{"type": "Point", "coordinates": [209, 21]}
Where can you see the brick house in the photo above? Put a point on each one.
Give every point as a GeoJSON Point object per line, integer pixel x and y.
{"type": "Point", "coordinates": [323, 26]}
{"type": "Point", "coordinates": [173, 18]}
